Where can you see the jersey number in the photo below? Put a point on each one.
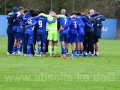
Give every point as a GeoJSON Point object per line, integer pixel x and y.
{"type": "Point", "coordinates": [65, 21]}
{"type": "Point", "coordinates": [75, 24]}
{"type": "Point", "coordinates": [40, 23]}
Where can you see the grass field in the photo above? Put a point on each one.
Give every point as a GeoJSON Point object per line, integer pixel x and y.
{"type": "Point", "coordinates": [35, 73]}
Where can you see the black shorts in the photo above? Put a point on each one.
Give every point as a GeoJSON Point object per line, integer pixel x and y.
{"type": "Point", "coordinates": [96, 39]}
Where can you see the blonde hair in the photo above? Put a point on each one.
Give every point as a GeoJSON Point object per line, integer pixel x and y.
{"type": "Point", "coordinates": [63, 11]}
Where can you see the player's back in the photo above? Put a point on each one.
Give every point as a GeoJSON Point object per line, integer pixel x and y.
{"type": "Point", "coordinates": [41, 25]}
{"type": "Point", "coordinates": [30, 27]}
{"type": "Point", "coordinates": [74, 25]}
{"type": "Point", "coordinates": [81, 25]}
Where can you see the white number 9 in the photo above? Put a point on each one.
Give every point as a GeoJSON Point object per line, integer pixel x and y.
{"type": "Point", "coordinates": [40, 23]}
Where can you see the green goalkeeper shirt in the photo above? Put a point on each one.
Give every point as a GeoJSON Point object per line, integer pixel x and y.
{"type": "Point", "coordinates": [50, 26]}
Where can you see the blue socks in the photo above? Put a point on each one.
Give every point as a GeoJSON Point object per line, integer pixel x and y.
{"type": "Point", "coordinates": [43, 48]}
{"type": "Point", "coordinates": [73, 53]}
{"type": "Point", "coordinates": [63, 50]}
{"type": "Point", "coordinates": [14, 49]}
{"type": "Point", "coordinates": [28, 49]}
{"type": "Point", "coordinates": [21, 45]}
{"type": "Point", "coordinates": [39, 49]}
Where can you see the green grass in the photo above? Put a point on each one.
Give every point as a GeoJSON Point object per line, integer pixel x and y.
{"type": "Point", "coordinates": [35, 73]}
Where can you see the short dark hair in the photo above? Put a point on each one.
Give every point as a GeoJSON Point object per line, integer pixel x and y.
{"type": "Point", "coordinates": [25, 10]}
{"type": "Point", "coordinates": [31, 10]}
{"type": "Point", "coordinates": [21, 8]}
{"type": "Point", "coordinates": [78, 13]}
{"type": "Point", "coordinates": [34, 14]}
{"type": "Point", "coordinates": [42, 12]}
{"type": "Point", "coordinates": [74, 13]}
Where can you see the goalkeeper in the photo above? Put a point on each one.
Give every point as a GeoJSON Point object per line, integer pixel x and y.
{"type": "Point", "coordinates": [52, 33]}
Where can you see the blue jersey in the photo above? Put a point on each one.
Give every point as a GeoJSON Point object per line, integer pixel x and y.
{"type": "Point", "coordinates": [63, 22]}
{"type": "Point", "coordinates": [74, 25]}
{"type": "Point", "coordinates": [41, 25]}
{"type": "Point", "coordinates": [81, 26]}
{"type": "Point", "coordinates": [30, 28]}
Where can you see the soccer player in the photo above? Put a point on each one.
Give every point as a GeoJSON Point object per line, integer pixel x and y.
{"type": "Point", "coordinates": [41, 33]}
{"type": "Point", "coordinates": [52, 33]}
{"type": "Point", "coordinates": [80, 35]}
{"type": "Point", "coordinates": [26, 16]}
{"type": "Point", "coordinates": [29, 33]}
{"type": "Point", "coordinates": [64, 33]}
{"type": "Point", "coordinates": [17, 31]}
{"type": "Point", "coordinates": [73, 33]}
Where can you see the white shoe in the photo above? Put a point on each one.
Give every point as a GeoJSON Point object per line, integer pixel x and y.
{"type": "Point", "coordinates": [8, 53]}
{"type": "Point", "coordinates": [43, 55]}
{"type": "Point", "coordinates": [71, 57]}
{"type": "Point", "coordinates": [97, 54]}
{"type": "Point", "coordinates": [50, 55]}
{"type": "Point", "coordinates": [20, 53]}
{"type": "Point", "coordinates": [14, 53]}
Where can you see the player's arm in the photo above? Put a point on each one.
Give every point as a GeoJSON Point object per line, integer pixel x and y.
{"type": "Point", "coordinates": [88, 25]}
{"type": "Point", "coordinates": [65, 26]}
{"type": "Point", "coordinates": [51, 21]}
{"type": "Point", "coordinates": [31, 24]}
{"type": "Point", "coordinates": [68, 24]}
{"type": "Point", "coordinates": [43, 15]}
{"type": "Point", "coordinates": [12, 13]}
{"type": "Point", "coordinates": [102, 18]}
{"type": "Point", "coordinates": [24, 17]}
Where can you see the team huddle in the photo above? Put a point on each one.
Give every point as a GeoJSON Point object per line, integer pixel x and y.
{"type": "Point", "coordinates": [26, 27]}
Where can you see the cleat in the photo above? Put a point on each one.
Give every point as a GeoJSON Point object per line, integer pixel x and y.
{"type": "Point", "coordinates": [39, 55]}
{"type": "Point", "coordinates": [36, 55]}
{"type": "Point", "coordinates": [90, 55]}
{"type": "Point", "coordinates": [8, 53]}
{"type": "Point", "coordinates": [50, 55]}
{"type": "Point", "coordinates": [96, 54]}
{"type": "Point", "coordinates": [28, 55]}
{"type": "Point", "coordinates": [71, 57]}
{"type": "Point", "coordinates": [54, 55]}
{"type": "Point", "coordinates": [60, 55]}
{"type": "Point", "coordinates": [65, 57]}
{"type": "Point", "coordinates": [20, 53]}
{"type": "Point", "coordinates": [14, 53]}
{"type": "Point", "coordinates": [43, 55]}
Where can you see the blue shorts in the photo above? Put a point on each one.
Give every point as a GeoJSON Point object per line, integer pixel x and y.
{"type": "Point", "coordinates": [41, 38]}
{"type": "Point", "coordinates": [19, 36]}
{"type": "Point", "coordinates": [73, 38]}
{"type": "Point", "coordinates": [80, 38]}
{"type": "Point", "coordinates": [29, 38]}
{"type": "Point", "coordinates": [63, 37]}
{"type": "Point", "coordinates": [15, 34]}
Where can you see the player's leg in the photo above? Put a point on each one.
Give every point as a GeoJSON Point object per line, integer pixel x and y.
{"type": "Point", "coordinates": [78, 46]}
{"type": "Point", "coordinates": [90, 43]}
{"type": "Point", "coordinates": [96, 46]}
{"type": "Point", "coordinates": [44, 44]}
{"type": "Point", "coordinates": [55, 39]}
{"type": "Point", "coordinates": [39, 44]}
{"type": "Point", "coordinates": [15, 43]}
{"type": "Point", "coordinates": [30, 42]}
{"type": "Point", "coordinates": [19, 38]}
{"type": "Point", "coordinates": [10, 43]}
{"type": "Point", "coordinates": [50, 43]}
{"type": "Point", "coordinates": [71, 40]}
{"type": "Point", "coordinates": [81, 45]}
{"type": "Point", "coordinates": [62, 45]}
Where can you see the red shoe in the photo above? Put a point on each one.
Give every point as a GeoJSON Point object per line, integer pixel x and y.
{"type": "Point", "coordinates": [60, 55]}
{"type": "Point", "coordinates": [65, 57]}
